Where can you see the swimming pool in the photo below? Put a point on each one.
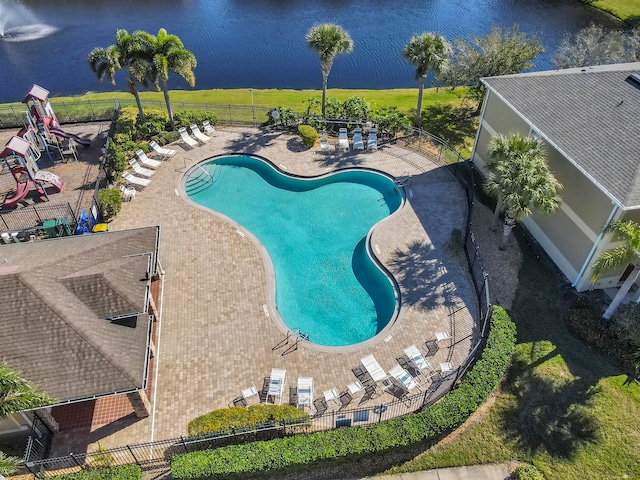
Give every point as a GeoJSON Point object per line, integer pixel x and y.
{"type": "Point", "coordinates": [315, 232]}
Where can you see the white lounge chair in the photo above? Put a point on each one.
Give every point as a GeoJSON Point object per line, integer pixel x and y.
{"type": "Point", "coordinates": [324, 144]}
{"type": "Point", "coordinates": [146, 160]}
{"type": "Point", "coordinates": [136, 181]}
{"type": "Point", "coordinates": [165, 152]}
{"type": "Point", "coordinates": [446, 368]}
{"type": "Point", "coordinates": [276, 384]}
{"type": "Point", "coordinates": [201, 137]}
{"type": "Point", "coordinates": [358, 144]}
{"type": "Point", "coordinates": [127, 193]}
{"type": "Point", "coordinates": [305, 393]}
{"type": "Point", "coordinates": [250, 393]}
{"type": "Point", "coordinates": [355, 388]}
{"type": "Point", "coordinates": [145, 172]}
{"type": "Point", "coordinates": [343, 140]}
{"type": "Point", "coordinates": [208, 128]}
{"type": "Point", "coordinates": [372, 366]}
{"type": "Point", "coordinates": [331, 396]}
{"type": "Point", "coordinates": [191, 143]}
{"type": "Point", "coordinates": [404, 378]}
{"type": "Point", "coordinates": [372, 140]}
{"type": "Point", "coordinates": [417, 359]}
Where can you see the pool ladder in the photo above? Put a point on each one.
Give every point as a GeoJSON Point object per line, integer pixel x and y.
{"type": "Point", "coordinates": [291, 341]}
{"type": "Point", "coordinates": [203, 179]}
{"type": "Point", "coordinates": [404, 180]}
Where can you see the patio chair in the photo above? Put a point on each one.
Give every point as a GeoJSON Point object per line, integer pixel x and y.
{"type": "Point", "coordinates": [343, 140]}
{"type": "Point", "coordinates": [305, 393]}
{"type": "Point", "coordinates": [446, 368]}
{"type": "Point", "coordinates": [404, 378]}
{"type": "Point", "coordinates": [355, 388]}
{"type": "Point", "coordinates": [127, 193]}
{"type": "Point", "coordinates": [145, 172]}
{"type": "Point", "coordinates": [277, 381]}
{"type": "Point", "coordinates": [331, 396]}
{"type": "Point", "coordinates": [442, 336]}
{"type": "Point", "coordinates": [146, 160]}
{"type": "Point", "coordinates": [358, 144]}
{"type": "Point", "coordinates": [417, 359]}
{"type": "Point", "coordinates": [372, 140]}
{"type": "Point", "coordinates": [135, 181]}
{"type": "Point", "coordinates": [208, 128]}
{"type": "Point", "coordinates": [165, 152]}
{"type": "Point", "coordinates": [374, 369]}
{"type": "Point", "coordinates": [324, 144]}
{"type": "Point", "coordinates": [201, 137]}
{"type": "Point", "coordinates": [191, 143]}
{"type": "Point", "coordinates": [250, 393]}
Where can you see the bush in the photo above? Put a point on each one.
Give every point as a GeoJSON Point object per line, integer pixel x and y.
{"type": "Point", "coordinates": [186, 118]}
{"type": "Point", "coordinates": [527, 472]}
{"type": "Point", "coordinates": [227, 419]}
{"type": "Point", "coordinates": [111, 202]}
{"type": "Point", "coordinates": [122, 472]}
{"type": "Point", "coordinates": [303, 450]}
{"type": "Point", "coordinates": [165, 137]}
{"type": "Point", "coordinates": [288, 117]}
{"type": "Point", "coordinates": [308, 135]}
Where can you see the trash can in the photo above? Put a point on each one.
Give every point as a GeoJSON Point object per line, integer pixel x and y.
{"type": "Point", "coordinates": [50, 227]}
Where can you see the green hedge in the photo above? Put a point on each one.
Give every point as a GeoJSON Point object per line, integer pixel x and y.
{"type": "Point", "coordinates": [227, 419]}
{"type": "Point", "coordinates": [428, 425]}
{"type": "Point", "coordinates": [308, 135]}
{"type": "Point", "coordinates": [122, 472]}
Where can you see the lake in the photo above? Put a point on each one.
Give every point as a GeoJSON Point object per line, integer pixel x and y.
{"type": "Point", "coordinates": [258, 43]}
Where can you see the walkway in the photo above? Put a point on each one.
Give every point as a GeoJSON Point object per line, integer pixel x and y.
{"type": "Point", "coordinates": [215, 338]}
{"type": "Point", "coordinates": [476, 472]}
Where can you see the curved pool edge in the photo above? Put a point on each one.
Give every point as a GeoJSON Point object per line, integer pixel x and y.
{"type": "Point", "coordinates": [268, 263]}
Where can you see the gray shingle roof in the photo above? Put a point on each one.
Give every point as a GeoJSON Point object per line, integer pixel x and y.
{"type": "Point", "coordinates": [591, 115]}
{"type": "Point", "coordinates": [56, 295]}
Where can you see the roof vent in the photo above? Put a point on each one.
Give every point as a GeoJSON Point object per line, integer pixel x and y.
{"type": "Point", "coordinates": [634, 79]}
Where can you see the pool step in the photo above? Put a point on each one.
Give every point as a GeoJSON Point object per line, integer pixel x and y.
{"type": "Point", "coordinates": [202, 178]}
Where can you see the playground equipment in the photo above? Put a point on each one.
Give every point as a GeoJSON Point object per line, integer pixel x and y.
{"type": "Point", "coordinates": [20, 157]}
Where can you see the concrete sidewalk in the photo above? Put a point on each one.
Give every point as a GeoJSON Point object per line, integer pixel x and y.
{"type": "Point", "coordinates": [477, 472]}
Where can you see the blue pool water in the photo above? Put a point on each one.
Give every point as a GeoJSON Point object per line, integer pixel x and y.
{"type": "Point", "coordinates": [315, 232]}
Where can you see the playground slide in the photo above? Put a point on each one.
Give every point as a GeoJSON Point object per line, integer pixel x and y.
{"type": "Point", "coordinates": [75, 138]}
{"type": "Point", "coordinates": [53, 179]}
{"type": "Point", "coordinates": [22, 189]}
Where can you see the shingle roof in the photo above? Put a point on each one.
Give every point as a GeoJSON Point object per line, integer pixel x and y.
{"type": "Point", "coordinates": [590, 115]}
{"type": "Point", "coordinates": [56, 297]}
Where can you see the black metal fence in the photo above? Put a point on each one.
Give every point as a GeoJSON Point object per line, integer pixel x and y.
{"type": "Point", "coordinates": [26, 218]}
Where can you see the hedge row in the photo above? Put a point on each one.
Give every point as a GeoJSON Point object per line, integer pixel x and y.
{"type": "Point", "coordinates": [122, 472]}
{"type": "Point", "coordinates": [430, 424]}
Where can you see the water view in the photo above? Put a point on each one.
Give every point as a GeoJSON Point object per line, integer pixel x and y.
{"type": "Point", "coordinates": [258, 43]}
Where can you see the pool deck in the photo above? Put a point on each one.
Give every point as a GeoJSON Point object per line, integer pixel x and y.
{"type": "Point", "coordinates": [214, 338]}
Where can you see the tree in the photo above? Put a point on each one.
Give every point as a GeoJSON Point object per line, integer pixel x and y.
{"type": "Point", "coordinates": [426, 52]}
{"type": "Point", "coordinates": [16, 394]}
{"type": "Point", "coordinates": [625, 254]}
{"type": "Point", "coordinates": [126, 54]}
{"type": "Point", "coordinates": [593, 45]}
{"type": "Point", "coordinates": [500, 52]}
{"type": "Point", "coordinates": [328, 40]}
{"type": "Point", "coordinates": [166, 53]}
{"type": "Point", "coordinates": [520, 180]}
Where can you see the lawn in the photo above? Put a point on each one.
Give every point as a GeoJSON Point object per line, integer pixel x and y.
{"type": "Point", "coordinates": [627, 10]}
{"type": "Point", "coordinates": [562, 407]}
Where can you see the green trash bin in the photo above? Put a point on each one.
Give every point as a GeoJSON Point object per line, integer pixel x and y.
{"type": "Point", "coordinates": [50, 227]}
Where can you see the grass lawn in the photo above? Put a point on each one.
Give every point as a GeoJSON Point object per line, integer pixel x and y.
{"type": "Point", "coordinates": [627, 10]}
{"type": "Point", "coordinates": [562, 408]}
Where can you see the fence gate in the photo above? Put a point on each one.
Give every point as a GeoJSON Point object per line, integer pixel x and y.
{"type": "Point", "coordinates": [39, 442]}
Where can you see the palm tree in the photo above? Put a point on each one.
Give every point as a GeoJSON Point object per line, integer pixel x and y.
{"type": "Point", "coordinates": [328, 40]}
{"type": "Point", "coordinates": [625, 254]}
{"type": "Point", "coordinates": [425, 52]}
{"type": "Point", "coordinates": [520, 180]}
{"type": "Point", "coordinates": [16, 394]}
{"type": "Point", "coordinates": [127, 53]}
{"type": "Point", "coordinates": [166, 53]}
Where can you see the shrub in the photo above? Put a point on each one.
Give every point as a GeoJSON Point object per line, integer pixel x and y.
{"type": "Point", "coordinates": [302, 450]}
{"type": "Point", "coordinates": [111, 202]}
{"type": "Point", "coordinates": [308, 135]}
{"type": "Point", "coordinates": [165, 137]}
{"type": "Point", "coordinates": [122, 472]}
{"type": "Point", "coordinates": [288, 117]}
{"type": "Point", "coordinates": [227, 419]}
{"type": "Point", "coordinates": [527, 472]}
{"type": "Point", "coordinates": [185, 118]}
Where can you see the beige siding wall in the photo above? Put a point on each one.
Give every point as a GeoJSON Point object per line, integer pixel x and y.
{"type": "Point", "coordinates": [500, 116]}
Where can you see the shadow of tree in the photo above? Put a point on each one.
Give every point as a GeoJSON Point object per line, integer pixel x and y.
{"type": "Point", "coordinates": [251, 142]}
{"type": "Point", "coordinates": [424, 281]}
{"type": "Point", "coordinates": [295, 145]}
{"type": "Point", "coordinates": [452, 124]}
{"type": "Point", "coordinates": [336, 160]}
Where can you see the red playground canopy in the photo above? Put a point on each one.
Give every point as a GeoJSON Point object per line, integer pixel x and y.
{"type": "Point", "coordinates": [38, 93]}
{"type": "Point", "coordinates": [16, 145]}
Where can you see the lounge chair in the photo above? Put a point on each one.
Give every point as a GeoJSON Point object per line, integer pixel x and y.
{"type": "Point", "coordinates": [191, 143]}
{"type": "Point", "coordinates": [343, 140]}
{"type": "Point", "coordinates": [404, 378]}
{"type": "Point", "coordinates": [135, 181]}
{"type": "Point", "coordinates": [331, 396]}
{"type": "Point", "coordinates": [146, 160]}
{"type": "Point", "coordinates": [442, 336]}
{"type": "Point", "coordinates": [355, 388]}
{"type": "Point", "coordinates": [446, 368]}
{"type": "Point", "coordinates": [358, 144]}
{"type": "Point", "coordinates": [373, 367]}
{"type": "Point", "coordinates": [417, 359]}
{"type": "Point", "coordinates": [127, 193]}
{"type": "Point", "coordinates": [145, 172]}
{"type": "Point", "coordinates": [208, 128]}
{"type": "Point", "coordinates": [201, 137]}
{"type": "Point", "coordinates": [305, 393]}
{"type": "Point", "coordinates": [324, 144]}
{"type": "Point", "coordinates": [250, 393]}
{"type": "Point", "coordinates": [277, 381]}
{"type": "Point", "coordinates": [372, 140]}
{"type": "Point", "coordinates": [165, 152]}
